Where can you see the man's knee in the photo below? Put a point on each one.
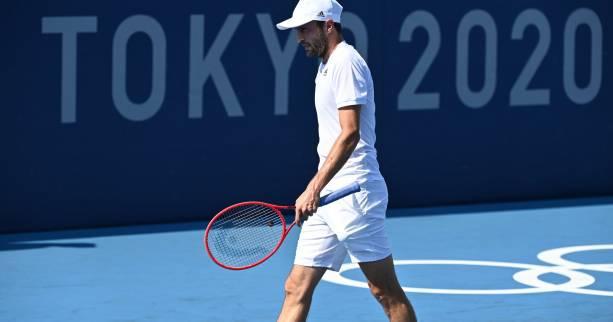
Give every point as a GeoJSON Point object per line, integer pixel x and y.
{"type": "Point", "coordinates": [377, 292]}
{"type": "Point", "coordinates": [388, 296]}
{"type": "Point", "coordinates": [297, 290]}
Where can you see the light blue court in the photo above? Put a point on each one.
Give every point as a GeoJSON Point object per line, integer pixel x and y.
{"type": "Point", "coordinates": [532, 262]}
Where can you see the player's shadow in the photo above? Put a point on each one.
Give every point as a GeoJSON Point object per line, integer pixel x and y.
{"type": "Point", "coordinates": [17, 245]}
{"type": "Point", "coordinates": [55, 239]}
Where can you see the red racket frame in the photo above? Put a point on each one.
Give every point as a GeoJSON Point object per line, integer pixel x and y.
{"type": "Point", "coordinates": [276, 208]}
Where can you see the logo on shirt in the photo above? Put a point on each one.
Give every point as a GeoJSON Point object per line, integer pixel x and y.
{"type": "Point", "coordinates": [324, 72]}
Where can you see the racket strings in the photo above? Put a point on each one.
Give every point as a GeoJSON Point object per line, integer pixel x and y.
{"type": "Point", "coordinates": [244, 235]}
{"type": "Point", "coordinates": [248, 235]}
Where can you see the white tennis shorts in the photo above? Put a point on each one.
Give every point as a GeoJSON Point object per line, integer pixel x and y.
{"type": "Point", "coordinates": [353, 225]}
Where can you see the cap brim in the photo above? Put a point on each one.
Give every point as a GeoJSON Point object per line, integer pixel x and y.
{"type": "Point", "coordinates": [293, 22]}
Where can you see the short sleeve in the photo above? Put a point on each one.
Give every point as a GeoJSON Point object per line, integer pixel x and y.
{"type": "Point", "coordinates": [349, 83]}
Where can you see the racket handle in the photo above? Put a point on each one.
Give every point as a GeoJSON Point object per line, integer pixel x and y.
{"type": "Point", "coordinates": [338, 194]}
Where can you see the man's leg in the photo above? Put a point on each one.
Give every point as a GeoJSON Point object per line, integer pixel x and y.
{"type": "Point", "coordinates": [299, 288]}
{"type": "Point", "coordinates": [386, 289]}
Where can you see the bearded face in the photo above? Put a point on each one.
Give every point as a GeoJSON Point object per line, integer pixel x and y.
{"type": "Point", "coordinates": [313, 38]}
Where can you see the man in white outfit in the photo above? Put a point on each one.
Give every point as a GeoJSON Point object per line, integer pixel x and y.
{"type": "Point", "coordinates": [354, 225]}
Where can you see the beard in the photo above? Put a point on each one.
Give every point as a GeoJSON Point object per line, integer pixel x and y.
{"type": "Point", "coordinates": [317, 47]}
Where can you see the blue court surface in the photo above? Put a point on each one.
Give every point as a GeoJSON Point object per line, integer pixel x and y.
{"type": "Point", "coordinates": [534, 262]}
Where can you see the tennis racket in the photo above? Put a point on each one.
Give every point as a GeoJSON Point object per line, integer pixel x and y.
{"type": "Point", "coordinates": [246, 234]}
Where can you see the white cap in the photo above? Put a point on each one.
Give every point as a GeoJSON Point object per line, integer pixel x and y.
{"type": "Point", "coordinates": [309, 10]}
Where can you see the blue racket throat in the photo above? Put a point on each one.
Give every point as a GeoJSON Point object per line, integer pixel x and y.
{"type": "Point", "coordinates": [338, 194]}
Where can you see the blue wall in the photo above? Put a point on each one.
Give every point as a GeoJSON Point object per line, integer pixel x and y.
{"type": "Point", "coordinates": [111, 114]}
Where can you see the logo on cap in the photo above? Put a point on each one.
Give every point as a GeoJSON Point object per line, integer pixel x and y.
{"type": "Point", "coordinates": [321, 14]}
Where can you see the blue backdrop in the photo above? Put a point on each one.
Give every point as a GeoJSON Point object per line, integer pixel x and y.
{"type": "Point", "coordinates": [122, 112]}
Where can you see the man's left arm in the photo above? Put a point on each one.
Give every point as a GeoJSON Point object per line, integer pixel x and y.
{"type": "Point", "coordinates": [349, 118]}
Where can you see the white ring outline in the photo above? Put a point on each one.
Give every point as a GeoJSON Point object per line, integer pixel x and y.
{"type": "Point", "coordinates": [554, 257]}
{"type": "Point", "coordinates": [528, 276]}
{"type": "Point", "coordinates": [575, 278]}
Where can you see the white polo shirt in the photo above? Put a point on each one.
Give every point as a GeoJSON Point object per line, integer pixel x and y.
{"type": "Point", "coordinates": [343, 81]}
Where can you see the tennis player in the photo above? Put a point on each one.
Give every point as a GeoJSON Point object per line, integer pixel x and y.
{"type": "Point", "coordinates": [354, 225]}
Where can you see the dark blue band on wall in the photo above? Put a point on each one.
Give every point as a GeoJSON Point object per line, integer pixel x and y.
{"type": "Point", "coordinates": [144, 112]}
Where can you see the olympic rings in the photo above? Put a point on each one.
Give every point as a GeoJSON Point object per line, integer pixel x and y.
{"type": "Point", "coordinates": [529, 275]}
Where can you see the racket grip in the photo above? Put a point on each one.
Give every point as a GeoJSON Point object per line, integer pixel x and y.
{"type": "Point", "coordinates": [340, 193]}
